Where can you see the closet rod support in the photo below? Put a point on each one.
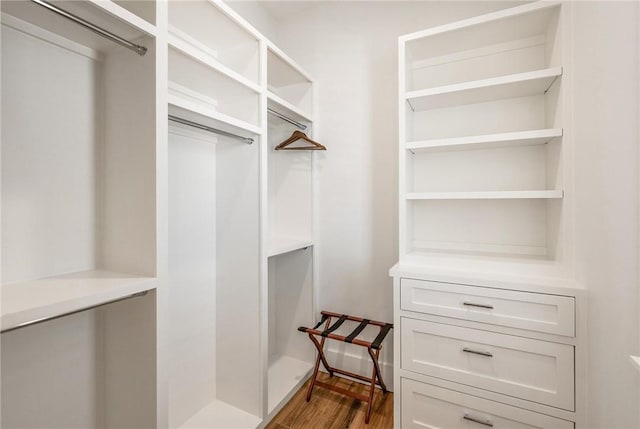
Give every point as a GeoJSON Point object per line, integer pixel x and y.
{"type": "Point", "coordinates": [139, 49]}
{"type": "Point", "coordinates": [58, 316]}
{"type": "Point", "coordinates": [286, 118]}
{"type": "Point", "coordinates": [247, 140]}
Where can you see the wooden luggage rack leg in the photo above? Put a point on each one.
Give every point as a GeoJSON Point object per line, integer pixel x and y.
{"type": "Point", "coordinates": [373, 348]}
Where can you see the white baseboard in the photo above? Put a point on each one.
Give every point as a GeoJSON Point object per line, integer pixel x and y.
{"type": "Point", "coordinates": [356, 359]}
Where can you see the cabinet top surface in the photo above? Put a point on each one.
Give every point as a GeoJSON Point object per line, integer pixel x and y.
{"type": "Point", "coordinates": [552, 285]}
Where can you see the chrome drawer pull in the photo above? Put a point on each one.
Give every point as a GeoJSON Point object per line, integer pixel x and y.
{"type": "Point", "coordinates": [477, 352]}
{"type": "Point", "coordinates": [475, 420]}
{"type": "Point", "coordinates": [472, 304]}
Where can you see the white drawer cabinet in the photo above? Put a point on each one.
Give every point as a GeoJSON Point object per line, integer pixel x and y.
{"type": "Point", "coordinates": [551, 314]}
{"type": "Point", "coordinates": [498, 354]}
{"type": "Point", "coordinates": [534, 370]}
{"type": "Point", "coordinates": [427, 406]}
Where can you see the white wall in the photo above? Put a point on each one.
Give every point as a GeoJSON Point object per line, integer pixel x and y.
{"type": "Point", "coordinates": [606, 167]}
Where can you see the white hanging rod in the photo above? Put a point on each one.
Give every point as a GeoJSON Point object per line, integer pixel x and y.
{"type": "Point", "coordinates": [140, 50]}
{"type": "Point", "coordinates": [247, 140]}
{"type": "Point", "coordinates": [285, 118]}
{"type": "Point", "coordinates": [58, 316]}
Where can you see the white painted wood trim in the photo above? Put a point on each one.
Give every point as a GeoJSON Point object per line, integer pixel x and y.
{"type": "Point", "coordinates": [492, 195]}
{"type": "Point", "coordinates": [482, 19]}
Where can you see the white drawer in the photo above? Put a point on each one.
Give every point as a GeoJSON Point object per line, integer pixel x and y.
{"type": "Point", "coordinates": [427, 406]}
{"type": "Point", "coordinates": [533, 370]}
{"type": "Point", "coordinates": [551, 314]}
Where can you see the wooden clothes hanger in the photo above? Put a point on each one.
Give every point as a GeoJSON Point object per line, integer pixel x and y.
{"type": "Point", "coordinates": [298, 135]}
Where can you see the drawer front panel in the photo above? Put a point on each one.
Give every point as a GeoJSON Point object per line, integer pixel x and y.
{"type": "Point", "coordinates": [551, 314]}
{"type": "Point", "coordinates": [427, 406]}
{"type": "Point", "coordinates": [530, 369]}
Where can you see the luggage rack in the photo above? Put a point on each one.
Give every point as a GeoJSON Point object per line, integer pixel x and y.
{"type": "Point", "coordinates": [373, 347]}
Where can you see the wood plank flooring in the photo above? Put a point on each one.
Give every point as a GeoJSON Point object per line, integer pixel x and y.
{"type": "Point", "coordinates": [330, 410]}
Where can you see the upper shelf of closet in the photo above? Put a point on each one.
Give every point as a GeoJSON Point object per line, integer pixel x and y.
{"type": "Point", "coordinates": [288, 85]}
{"type": "Point", "coordinates": [215, 40]}
{"type": "Point", "coordinates": [507, 54]}
{"type": "Point", "coordinates": [105, 14]}
{"type": "Point", "coordinates": [480, 91]}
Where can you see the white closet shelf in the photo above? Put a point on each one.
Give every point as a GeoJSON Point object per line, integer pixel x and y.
{"type": "Point", "coordinates": [519, 138]}
{"type": "Point", "coordinates": [487, 19]}
{"type": "Point", "coordinates": [283, 106]}
{"type": "Point", "coordinates": [124, 15]}
{"type": "Point", "coordinates": [485, 195]}
{"type": "Point", "coordinates": [280, 245]}
{"type": "Point", "coordinates": [286, 375]}
{"type": "Point", "coordinates": [196, 109]}
{"type": "Point", "coordinates": [201, 53]}
{"type": "Point", "coordinates": [220, 415]}
{"type": "Point", "coordinates": [479, 91]}
{"type": "Point", "coordinates": [48, 297]}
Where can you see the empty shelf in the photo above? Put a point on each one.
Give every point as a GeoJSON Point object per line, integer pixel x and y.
{"type": "Point", "coordinates": [484, 195]}
{"type": "Point", "coordinates": [221, 415]}
{"type": "Point", "coordinates": [286, 375]}
{"type": "Point", "coordinates": [49, 297]}
{"type": "Point", "coordinates": [280, 245]}
{"type": "Point", "coordinates": [479, 91]}
{"type": "Point", "coordinates": [520, 138]}
{"type": "Point", "coordinates": [184, 43]}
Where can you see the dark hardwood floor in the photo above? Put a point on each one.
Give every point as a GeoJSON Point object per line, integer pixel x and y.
{"type": "Point", "coordinates": [330, 410]}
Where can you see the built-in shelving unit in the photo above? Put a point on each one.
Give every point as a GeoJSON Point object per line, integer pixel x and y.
{"type": "Point", "coordinates": [78, 215]}
{"type": "Point", "coordinates": [486, 222]}
{"type": "Point", "coordinates": [214, 279]}
{"type": "Point", "coordinates": [290, 229]}
{"type": "Point", "coordinates": [151, 234]}
{"type": "Point", "coordinates": [483, 141]}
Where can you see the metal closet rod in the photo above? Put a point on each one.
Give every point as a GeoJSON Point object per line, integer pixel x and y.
{"type": "Point", "coordinates": [247, 140]}
{"type": "Point", "coordinates": [58, 316]}
{"type": "Point", "coordinates": [139, 49]}
{"type": "Point", "coordinates": [285, 118]}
